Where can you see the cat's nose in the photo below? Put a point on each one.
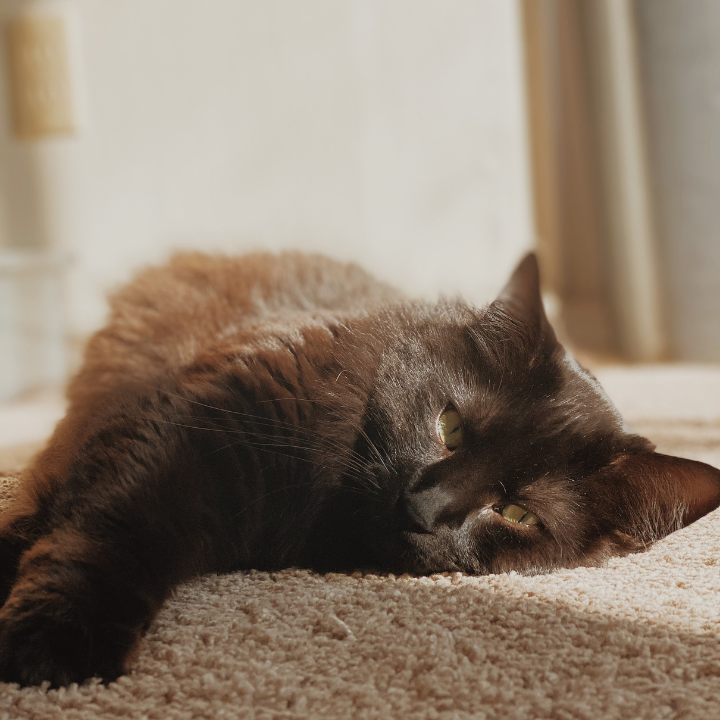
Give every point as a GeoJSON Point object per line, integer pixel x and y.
{"type": "Point", "coordinates": [419, 511]}
{"type": "Point", "coordinates": [409, 516]}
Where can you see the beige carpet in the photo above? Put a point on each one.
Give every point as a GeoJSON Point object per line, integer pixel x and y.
{"type": "Point", "coordinates": [639, 638]}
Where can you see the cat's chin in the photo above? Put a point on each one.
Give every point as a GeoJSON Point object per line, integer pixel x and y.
{"type": "Point", "coordinates": [429, 554]}
{"type": "Point", "coordinates": [423, 553]}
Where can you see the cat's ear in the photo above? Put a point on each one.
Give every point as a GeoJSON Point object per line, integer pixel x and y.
{"type": "Point", "coordinates": [649, 495]}
{"type": "Point", "coordinates": [521, 297]}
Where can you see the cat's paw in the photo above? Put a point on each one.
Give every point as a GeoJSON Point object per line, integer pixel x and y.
{"type": "Point", "coordinates": [44, 644]}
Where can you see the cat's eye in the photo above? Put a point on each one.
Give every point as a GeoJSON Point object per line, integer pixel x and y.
{"type": "Point", "coordinates": [517, 514]}
{"type": "Point", "coordinates": [449, 429]}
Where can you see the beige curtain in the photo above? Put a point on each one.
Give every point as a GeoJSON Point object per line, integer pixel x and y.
{"type": "Point", "coordinates": [592, 203]}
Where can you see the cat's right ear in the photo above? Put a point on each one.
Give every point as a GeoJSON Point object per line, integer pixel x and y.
{"type": "Point", "coordinates": [649, 495]}
{"type": "Point", "coordinates": [521, 299]}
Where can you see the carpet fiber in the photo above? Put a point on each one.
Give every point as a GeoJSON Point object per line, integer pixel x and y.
{"type": "Point", "coordinates": [639, 638]}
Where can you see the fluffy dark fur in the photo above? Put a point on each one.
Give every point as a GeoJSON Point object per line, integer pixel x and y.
{"type": "Point", "coordinates": [271, 411]}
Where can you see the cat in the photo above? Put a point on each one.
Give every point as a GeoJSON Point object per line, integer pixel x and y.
{"type": "Point", "coordinates": [285, 410]}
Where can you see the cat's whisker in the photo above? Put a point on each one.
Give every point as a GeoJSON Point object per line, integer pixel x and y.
{"type": "Point", "coordinates": [314, 445]}
{"type": "Point", "coordinates": [227, 410]}
{"type": "Point", "coordinates": [264, 496]}
{"type": "Point", "coordinates": [190, 427]}
{"type": "Point", "coordinates": [313, 438]}
{"type": "Point", "coordinates": [315, 442]}
{"type": "Point", "coordinates": [346, 463]}
{"type": "Point", "coordinates": [373, 447]}
{"type": "Point", "coordinates": [260, 419]}
{"type": "Point", "coordinates": [363, 479]}
{"type": "Point", "coordinates": [290, 399]}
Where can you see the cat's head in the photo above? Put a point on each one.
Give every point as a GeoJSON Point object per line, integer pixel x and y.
{"type": "Point", "coordinates": [493, 450]}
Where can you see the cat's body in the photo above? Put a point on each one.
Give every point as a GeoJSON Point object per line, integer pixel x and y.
{"type": "Point", "coordinates": [271, 411]}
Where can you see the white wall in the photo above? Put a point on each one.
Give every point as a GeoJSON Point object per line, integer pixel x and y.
{"type": "Point", "coordinates": [390, 132]}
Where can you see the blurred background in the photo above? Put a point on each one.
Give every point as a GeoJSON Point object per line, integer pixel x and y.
{"type": "Point", "coordinates": [432, 141]}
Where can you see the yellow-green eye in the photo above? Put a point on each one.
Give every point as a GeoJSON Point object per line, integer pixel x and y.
{"type": "Point", "coordinates": [517, 514]}
{"type": "Point", "coordinates": [449, 429]}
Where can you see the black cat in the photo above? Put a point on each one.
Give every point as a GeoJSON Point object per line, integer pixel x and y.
{"type": "Point", "coordinates": [270, 411]}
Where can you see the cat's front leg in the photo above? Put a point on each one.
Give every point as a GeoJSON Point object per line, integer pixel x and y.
{"type": "Point", "coordinates": [72, 614]}
{"type": "Point", "coordinates": [134, 513]}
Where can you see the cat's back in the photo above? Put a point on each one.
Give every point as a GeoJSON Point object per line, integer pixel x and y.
{"type": "Point", "coordinates": [168, 315]}
{"type": "Point", "coordinates": [268, 283]}
{"type": "Point", "coordinates": [217, 290]}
